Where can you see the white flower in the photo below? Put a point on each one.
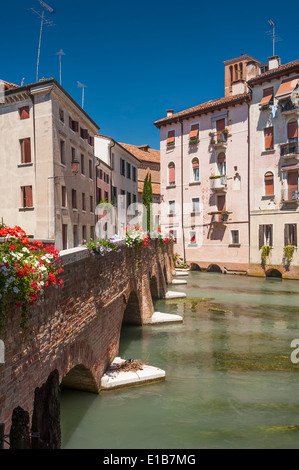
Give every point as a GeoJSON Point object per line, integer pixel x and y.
{"type": "Point", "coordinates": [16, 290]}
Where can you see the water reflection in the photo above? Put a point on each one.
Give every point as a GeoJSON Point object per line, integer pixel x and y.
{"type": "Point", "coordinates": [229, 379]}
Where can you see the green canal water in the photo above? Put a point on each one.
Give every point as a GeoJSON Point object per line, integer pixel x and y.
{"type": "Point", "coordinates": [230, 382]}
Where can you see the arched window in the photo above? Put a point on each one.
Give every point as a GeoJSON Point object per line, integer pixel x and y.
{"type": "Point", "coordinates": [195, 169]}
{"type": "Point", "coordinates": [221, 163]}
{"type": "Point", "coordinates": [269, 184]}
{"type": "Point", "coordinates": [292, 131]}
{"type": "Point", "coordinates": [171, 173]}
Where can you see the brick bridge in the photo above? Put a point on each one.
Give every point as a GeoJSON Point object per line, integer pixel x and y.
{"type": "Point", "coordinates": [74, 333]}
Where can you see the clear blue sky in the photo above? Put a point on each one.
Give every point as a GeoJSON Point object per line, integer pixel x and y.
{"type": "Point", "coordinates": [137, 58]}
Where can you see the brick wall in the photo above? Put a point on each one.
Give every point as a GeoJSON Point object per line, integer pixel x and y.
{"type": "Point", "coordinates": [80, 324]}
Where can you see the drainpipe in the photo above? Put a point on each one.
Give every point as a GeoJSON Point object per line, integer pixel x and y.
{"type": "Point", "coordinates": [248, 179]}
{"type": "Point", "coordinates": [110, 161]}
{"type": "Point", "coordinates": [182, 191]}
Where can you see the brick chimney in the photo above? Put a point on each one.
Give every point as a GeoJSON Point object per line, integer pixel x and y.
{"type": "Point", "coordinates": [274, 62]}
{"type": "Point", "coordinates": [169, 112]}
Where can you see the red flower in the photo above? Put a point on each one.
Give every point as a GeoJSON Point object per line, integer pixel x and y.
{"type": "Point", "coordinates": [12, 247]}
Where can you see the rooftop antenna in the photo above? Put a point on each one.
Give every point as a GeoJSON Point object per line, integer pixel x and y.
{"type": "Point", "coordinates": [47, 22]}
{"type": "Point", "coordinates": [22, 83]}
{"type": "Point", "coordinates": [272, 33]}
{"type": "Point", "coordinates": [60, 53]}
{"type": "Point", "coordinates": [82, 86]}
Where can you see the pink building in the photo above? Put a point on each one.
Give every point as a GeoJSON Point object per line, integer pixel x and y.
{"type": "Point", "coordinates": [204, 175]}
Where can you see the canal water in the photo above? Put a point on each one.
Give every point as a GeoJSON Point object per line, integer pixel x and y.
{"type": "Point", "coordinates": [230, 381]}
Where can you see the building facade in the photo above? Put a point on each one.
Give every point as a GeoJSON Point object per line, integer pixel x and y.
{"type": "Point", "coordinates": [274, 170]}
{"type": "Point", "coordinates": [47, 177]}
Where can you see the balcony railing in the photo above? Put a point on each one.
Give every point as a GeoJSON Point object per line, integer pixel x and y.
{"type": "Point", "coordinates": [219, 216]}
{"type": "Point", "coordinates": [219, 140]}
{"type": "Point", "coordinates": [287, 106]}
{"type": "Point", "coordinates": [289, 196]}
{"type": "Point", "coordinates": [218, 182]}
{"type": "Point", "coordinates": [289, 150]}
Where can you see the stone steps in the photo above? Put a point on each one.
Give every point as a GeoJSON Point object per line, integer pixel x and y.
{"type": "Point", "coordinates": [158, 318]}
{"type": "Point", "coordinates": [174, 295]}
{"type": "Point", "coordinates": [177, 282]}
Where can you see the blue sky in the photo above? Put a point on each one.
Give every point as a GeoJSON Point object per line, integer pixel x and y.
{"type": "Point", "coordinates": [138, 59]}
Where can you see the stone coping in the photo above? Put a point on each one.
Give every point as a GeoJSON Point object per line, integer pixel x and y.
{"type": "Point", "coordinates": [158, 318]}
{"type": "Point", "coordinates": [174, 295]}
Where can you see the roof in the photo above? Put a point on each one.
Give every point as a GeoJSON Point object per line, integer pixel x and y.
{"type": "Point", "coordinates": [15, 88]}
{"type": "Point", "coordinates": [204, 107]}
{"type": "Point", "coordinates": [143, 152]}
{"type": "Point", "coordinates": [156, 188]}
{"type": "Point", "coordinates": [123, 146]}
{"type": "Point", "coordinates": [238, 59]}
{"type": "Point", "coordinates": [275, 73]}
{"type": "Point", "coordinates": [7, 85]}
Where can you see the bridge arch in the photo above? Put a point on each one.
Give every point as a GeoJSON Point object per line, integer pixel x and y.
{"type": "Point", "coordinates": [132, 310]}
{"type": "Point", "coordinates": [274, 273]}
{"type": "Point", "coordinates": [214, 268]}
{"type": "Point", "coordinates": [195, 267]}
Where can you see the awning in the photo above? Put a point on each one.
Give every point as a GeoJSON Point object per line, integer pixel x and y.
{"type": "Point", "coordinates": [295, 166]}
{"type": "Point", "coordinates": [287, 86]}
{"type": "Point", "coordinates": [267, 96]}
{"type": "Point", "coordinates": [194, 131]}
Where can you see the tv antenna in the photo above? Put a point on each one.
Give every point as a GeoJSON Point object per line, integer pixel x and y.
{"type": "Point", "coordinates": [82, 86]}
{"type": "Point", "coordinates": [272, 33]}
{"type": "Point", "coordinates": [60, 53]}
{"type": "Point", "coordinates": [47, 22]}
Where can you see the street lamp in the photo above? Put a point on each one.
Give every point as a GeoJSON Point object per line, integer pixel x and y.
{"type": "Point", "coordinates": [75, 166]}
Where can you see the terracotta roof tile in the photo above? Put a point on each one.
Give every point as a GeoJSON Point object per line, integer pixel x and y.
{"type": "Point", "coordinates": [281, 70]}
{"type": "Point", "coordinates": [204, 107]}
{"type": "Point", "coordinates": [148, 154]}
{"type": "Point", "coordinates": [8, 86]}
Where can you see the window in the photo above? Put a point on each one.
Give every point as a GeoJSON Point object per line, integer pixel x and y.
{"type": "Point", "coordinates": [74, 199]}
{"type": "Point", "coordinates": [286, 87]}
{"type": "Point", "coordinates": [171, 207]}
{"type": "Point", "coordinates": [195, 169]}
{"type": "Point", "coordinates": [269, 138]}
{"type": "Point", "coordinates": [170, 138]}
{"type": "Point", "coordinates": [73, 154]}
{"type": "Point", "coordinates": [265, 235]}
{"type": "Point", "coordinates": [134, 198]}
{"type": "Point", "coordinates": [27, 199]}
{"type": "Point", "coordinates": [221, 164]}
{"type": "Point", "coordinates": [25, 150]}
{"type": "Point", "coordinates": [90, 168]}
{"type": "Point", "coordinates": [92, 232]}
{"type": "Point", "coordinates": [24, 112]}
{"type": "Point", "coordinates": [84, 232]}
{"type": "Point", "coordinates": [292, 184]}
{"type": "Point", "coordinates": [83, 202]}
{"type": "Point", "coordinates": [84, 133]}
{"type": "Point", "coordinates": [195, 204]}
{"type": "Point", "coordinates": [91, 203]}
{"type": "Point", "coordinates": [62, 152]}
{"type": "Point", "coordinates": [267, 99]}
{"type": "Point", "coordinates": [63, 196]}
{"type": "Point", "coordinates": [192, 237]}
{"type": "Point", "coordinates": [61, 115]}
{"type": "Point", "coordinates": [221, 203]}
{"type": "Point", "coordinates": [220, 126]}
{"type": "Point", "coordinates": [106, 195]}
{"type": "Point", "coordinates": [128, 199]}
{"type": "Point", "coordinates": [112, 161]}
{"type": "Point", "coordinates": [82, 164]}
{"type": "Point", "coordinates": [290, 234]}
{"type": "Point", "coordinates": [122, 167]}
{"type": "Point", "coordinates": [91, 140]}
{"type": "Point", "coordinates": [74, 125]}
{"type": "Point", "coordinates": [193, 136]}
{"type": "Point", "coordinates": [292, 131]}
{"type": "Point", "coordinates": [171, 173]}
{"type": "Point", "coordinates": [235, 237]}
{"type": "Point", "coordinates": [134, 177]}
{"type": "Point", "coordinates": [75, 235]}
{"type": "Point", "coordinates": [269, 184]}
{"type": "Point", "coordinates": [114, 196]}
{"type": "Point", "coordinates": [64, 236]}
{"type": "Point", "coordinates": [128, 170]}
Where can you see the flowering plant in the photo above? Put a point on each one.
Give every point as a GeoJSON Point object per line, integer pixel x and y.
{"type": "Point", "coordinates": [101, 246]}
{"type": "Point", "coordinates": [136, 236]}
{"type": "Point", "coordinates": [26, 269]}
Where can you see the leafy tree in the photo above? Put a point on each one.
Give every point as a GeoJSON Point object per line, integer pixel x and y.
{"type": "Point", "coordinates": [147, 199]}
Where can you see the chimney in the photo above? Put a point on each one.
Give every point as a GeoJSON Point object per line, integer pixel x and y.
{"type": "Point", "coordinates": [169, 112]}
{"type": "Point", "coordinates": [274, 62]}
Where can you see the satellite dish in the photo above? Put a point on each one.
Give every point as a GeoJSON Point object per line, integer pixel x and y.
{"type": "Point", "coordinates": [295, 97]}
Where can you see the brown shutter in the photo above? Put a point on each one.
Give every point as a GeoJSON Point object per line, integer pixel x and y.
{"type": "Point", "coordinates": [70, 122]}
{"type": "Point", "coordinates": [269, 184]}
{"type": "Point", "coordinates": [27, 150]}
{"type": "Point", "coordinates": [171, 176]}
{"type": "Point", "coordinates": [75, 126]}
{"type": "Point", "coordinates": [221, 203]}
{"type": "Point", "coordinates": [269, 141]}
{"type": "Point", "coordinates": [170, 137]}
{"type": "Point", "coordinates": [292, 130]}
{"type": "Point", "coordinates": [261, 236]}
{"type": "Point", "coordinates": [194, 131]}
{"type": "Point", "coordinates": [271, 235]}
{"type": "Point", "coordinates": [28, 196]}
{"type": "Point", "coordinates": [286, 234]}
{"type": "Point", "coordinates": [267, 96]}
{"type": "Point", "coordinates": [292, 183]}
{"type": "Point", "coordinates": [220, 125]}
{"type": "Point", "coordinates": [295, 234]}
{"type": "Point", "coordinates": [24, 112]}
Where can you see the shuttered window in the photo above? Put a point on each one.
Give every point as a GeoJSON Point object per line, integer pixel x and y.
{"type": "Point", "coordinates": [24, 112]}
{"type": "Point", "coordinates": [290, 234]}
{"type": "Point", "coordinates": [267, 96]}
{"type": "Point", "coordinates": [269, 184]}
{"type": "Point", "coordinates": [292, 131]}
{"type": "Point", "coordinates": [171, 173]}
{"type": "Point", "coordinates": [25, 150]}
{"type": "Point", "coordinates": [170, 137]}
{"type": "Point", "coordinates": [193, 136]}
{"type": "Point", "coordinates": [220, 126]}
{"type": "Point", "coordinates": [195, 169]}
{"type": "Point", "coordinates": [74, 199]}
{"type": "Point", "coordinates": [269, 138]}
{"type": "Point", "coordinates": [292, 183]}
{"type": "Point", "coordinates": [265, 235]}
{"type": "Point", "coordinates": [27, 200]}
{"type": "Point", "coordinates": [221, 203]}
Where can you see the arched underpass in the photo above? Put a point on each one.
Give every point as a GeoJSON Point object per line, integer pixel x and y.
{"type": "Point", "coordinates": [214, 268]}
{"type": "Point", "coordinates": [274, 273]}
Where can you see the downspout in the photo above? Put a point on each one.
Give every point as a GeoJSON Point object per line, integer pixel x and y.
{"type": "Point", "coordinates": [110, 161]}
{"type": "Point", "coordinates": [248, 179]}
{"type": "Point", "coordinates": [182, 191]}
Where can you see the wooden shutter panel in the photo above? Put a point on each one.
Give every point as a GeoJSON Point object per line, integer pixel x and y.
{"type": "Point", "coordinates": [28, 196]}
{"type": "Point", "coordinates": [295, 234]}
{"type": "Point", "coordinates": [269, 141]}
{"type": "Point", "coordinates": [27, 150]}
{"type": "Point", "coordinates": [269, 184]}
{"type": "Point", "coordinates": [221, 203]}
{"type": "Point", "coordinates": [24, 112]}
{"type": "Point", "coordinates": [270, 235]}
{"type": "Point", "coordinates": [286, 234]}
{"type": "Point", "coordinates": [170, 137]}
{"type": "Point", "coordinates": [292, 130]}
{"type": "Point", "coordinates": [261, 236]}
{"type": "Point", "coordinates": [171, 169]}
{"type": "Point", "coordinates": [220, 125]}
{"type": "Point", "coordinates": [292, 183]}
{"type": "Point", "coordinates": [194, 131]}
{"type": "Point", "coordinates": [195, 163]}
{"type": "Point", "coordinates": [70, 122]}
{"type": "Point", "coordinates": [75, 126]}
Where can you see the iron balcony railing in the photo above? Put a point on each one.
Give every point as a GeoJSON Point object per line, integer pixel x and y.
{"type": "Point", "coordinates": [287, 105]}
{"type": "Point", "coordinates": [289, 195]}
{"type": "Point", "coordinates": [289, 149]}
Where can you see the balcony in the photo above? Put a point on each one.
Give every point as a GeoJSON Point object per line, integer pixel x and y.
{"type": "Point", "coordinates": [287, 107]}
{"type": "Point", "coordinates": [289, 197]}
{"type": "Point", "coordinates": [218, 183]}
{"type": "Point", "coordinates": [219, 217]}
{"type": "Point", "coordinates": [290, 150]}
{"type": "Point", "coordinates": [219, 142]}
